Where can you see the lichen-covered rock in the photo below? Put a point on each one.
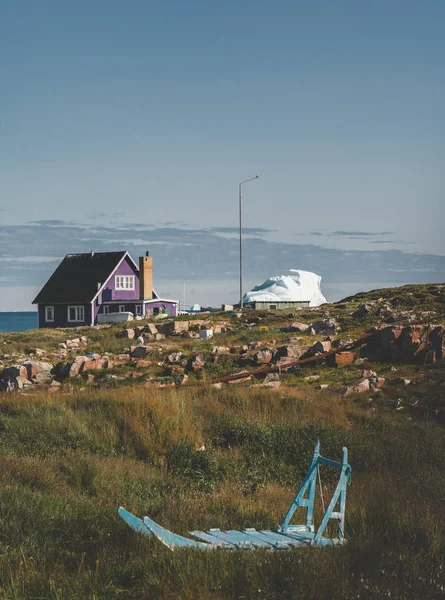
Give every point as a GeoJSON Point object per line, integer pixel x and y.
{"type": "Point", "coordinates": [263, 357]}
{"type": "Point", "coordinates": [197, 363]}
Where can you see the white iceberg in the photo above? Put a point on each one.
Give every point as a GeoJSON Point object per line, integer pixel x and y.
{"type": "Point", "coordinates": [298, 286]}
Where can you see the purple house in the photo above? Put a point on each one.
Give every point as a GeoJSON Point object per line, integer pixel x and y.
{"type": "Point", "coordinates": [88, 288]}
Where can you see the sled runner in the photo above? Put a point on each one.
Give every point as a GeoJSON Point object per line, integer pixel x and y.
{"type": "Point", "coordinates": [285, 536]}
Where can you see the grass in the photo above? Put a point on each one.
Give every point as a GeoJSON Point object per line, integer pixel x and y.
{"type": "Point", "coordinates": [68, 462]}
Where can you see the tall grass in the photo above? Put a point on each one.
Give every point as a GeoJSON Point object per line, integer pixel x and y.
{"type": "Point", "coordinates": [68, 462]}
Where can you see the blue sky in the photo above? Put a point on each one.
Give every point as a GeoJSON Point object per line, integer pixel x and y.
{"type": "Point", "coordinates": [150, 113]}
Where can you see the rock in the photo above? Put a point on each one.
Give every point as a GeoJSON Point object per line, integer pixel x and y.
{"type": "Point", "coordinates": [218, 385]}
{"type": "Point", "coordinates": [262, 357]}
{"type": "Point", "coordinates": [363, 386]}
{"type": "Point", "coordinates": [322, 386]}
{"type": "Point", "coordinates": [325, 326]}
{"type": "Point", "coordinates": [288, 352]}
{"type": "Point", "coordinates": [412, 344]}
{"type": "Point", "coordinates": [138, 351]}
{"type": "Point", "coordinates": [13, 372]}
{"type": "Point", "coordinates": [271, 377]}
{"type": "Point", "coordinates": [346, 391]}
{"type": "Point", "coordinates": [40, 378]}
{"type": "Point", "coordinates": [340, 359]}
{"type": "Point", "coordinates": [320, 348]}
{"type": "Point", "coordinates": [128, 334]}
{"type": "Point", "coordinates": [55, 384]}
{"type": "Point", "coordinates": [76, 366]}
{"type": "Point", "coordinates": [368, 373]}
{"type": "Point", "coordinates": [358, 362]}
{"type": "Point", "coordinates": [253, 346]}
{"type": "Point", "coordinates": [159, 337]}
{"type": "Point", "coordinates": [399, 381]}
{"type": "Point", "coordinates": [173, 327]}
{"type": "Point", "coordinates": [34, 367]}
{"type": "Point", "coordinates": [180, 378]}
{"type": "Point", "coordinates": [22, 383]}
{"type": "Point", "coordinates": [220, 349]}
{"type": "Point", "coordinates": [151, 328]}
{"type": "Point", "coordinates": [175, 370]}
{"type": "Point", "coordinates": [93, 363]}
{"type": "Point", "coordinates": [143, 363]}
{"type": "Point", "coordinates": [174, 357]}
{"type": "Point", "coordinates": [197, 363]}
{"type": "Point", "coordinates": [362, 311]}
{"type": "Point", "coordinates": [272, 384]}
{"type": "Point", "coordinates": [298, 328]}
{"type": "Point", "coordinates": [121, 359]}
{"type": "Point", "coordinates": [62, 346]}
{"type": "Point", "coordinates": [312, 377]}
{"type": "Point", "coordinates": [140, 340]}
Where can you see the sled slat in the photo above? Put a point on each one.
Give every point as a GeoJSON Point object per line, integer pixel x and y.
{"type": "Point", "coordinates": [266, 538]}
{"type": "Point", "coordinates": [212, 539]}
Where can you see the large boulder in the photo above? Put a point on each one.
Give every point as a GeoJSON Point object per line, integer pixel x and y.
{"type": "Point", "coordinates": [13, 372]}
{"type": "Point", "coordinates": [341, 359]}
{"type": "Point", "coordinates": [35, 367]}
{"type": "Point", "coordinates": [412, 344]}
{"type": "Point", "coordinates": [326, 326]}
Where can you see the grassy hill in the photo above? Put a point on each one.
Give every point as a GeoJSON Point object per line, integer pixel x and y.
{"type": "Point", "coordinates": [201, 457]}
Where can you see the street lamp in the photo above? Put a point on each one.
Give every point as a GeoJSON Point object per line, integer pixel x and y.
{"type": "Point", "coordinates": [240, 241]}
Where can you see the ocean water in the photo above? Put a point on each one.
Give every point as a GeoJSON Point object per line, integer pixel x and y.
{"type": "Point", "coordinates": [18, 321]}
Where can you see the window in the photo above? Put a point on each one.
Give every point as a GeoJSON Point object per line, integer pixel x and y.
{"type": "Point", "coordinates": [273, 306]}
{"type": "Point", "coordinates": [121, 307]}
{"type": "Point", "coordinates": [76, 314]}
{"type": "Point", "coordinates": [49, 314]}
{"type": "Point", "coordinates": [106, 309]}
{"type": "Point", "coordinates": [138, 309]}
{"type": "Point", "coordinates": [125, 282]}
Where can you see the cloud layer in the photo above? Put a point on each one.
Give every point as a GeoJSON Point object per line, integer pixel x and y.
{"type": "Point", "coordinates": [29, 254]}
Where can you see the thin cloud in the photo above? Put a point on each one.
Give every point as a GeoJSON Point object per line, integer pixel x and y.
{"type": "Point", "coordinates": [360, 233]}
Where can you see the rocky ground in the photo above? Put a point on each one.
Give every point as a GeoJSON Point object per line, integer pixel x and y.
{"type": "Point", "coordinates": [358, 345]}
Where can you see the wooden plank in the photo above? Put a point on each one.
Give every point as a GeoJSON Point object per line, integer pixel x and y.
{"type": "Point", "coordinates": [265, 538]}
{"type": "Point", "coordinates": [281, 537]}
{"type": "Point", "coordinates": [240, 537]}
{"type": "Point", "coordinates": [237, 541]}
{"type": "Point", "coordinates": [212, 539]}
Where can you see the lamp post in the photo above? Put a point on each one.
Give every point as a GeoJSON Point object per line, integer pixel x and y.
{"type": "Point", "coordinates": [240, 241]}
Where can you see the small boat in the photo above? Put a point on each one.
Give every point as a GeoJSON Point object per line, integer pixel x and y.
{"type": "Point", "coordinates": [285, 536]}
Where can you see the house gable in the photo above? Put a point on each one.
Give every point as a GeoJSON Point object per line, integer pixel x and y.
{"type": "Point", "coordinates": [77, 278]}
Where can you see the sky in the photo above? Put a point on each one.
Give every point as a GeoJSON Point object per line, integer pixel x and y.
{"type": "Point", "coordinates": [130, 125]}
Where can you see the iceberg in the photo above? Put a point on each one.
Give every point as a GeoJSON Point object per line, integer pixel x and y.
{"type": "Point", "coordinates": [298, 286]}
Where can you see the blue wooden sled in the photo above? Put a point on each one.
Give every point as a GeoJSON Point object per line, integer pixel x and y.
{"type": "Point", "coordinates": [285, 536]}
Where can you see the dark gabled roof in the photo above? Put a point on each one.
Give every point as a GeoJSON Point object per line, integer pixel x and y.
{"type": "Point", "coordinates": [75, 279]}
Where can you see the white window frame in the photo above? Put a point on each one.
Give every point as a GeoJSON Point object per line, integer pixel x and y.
{"type": "Point", "coordinates": [106, 309]}
{"type": "Point", "coordinates": [124, 282]}
{"type": "Point", "coordinates": [47, 319]}
{"type": "Point", "coordinates": [138, 308]}
{"type": "Point", "coordinates": [122, 308]}
{"type": "Point", "coordinates": [79, 312]}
